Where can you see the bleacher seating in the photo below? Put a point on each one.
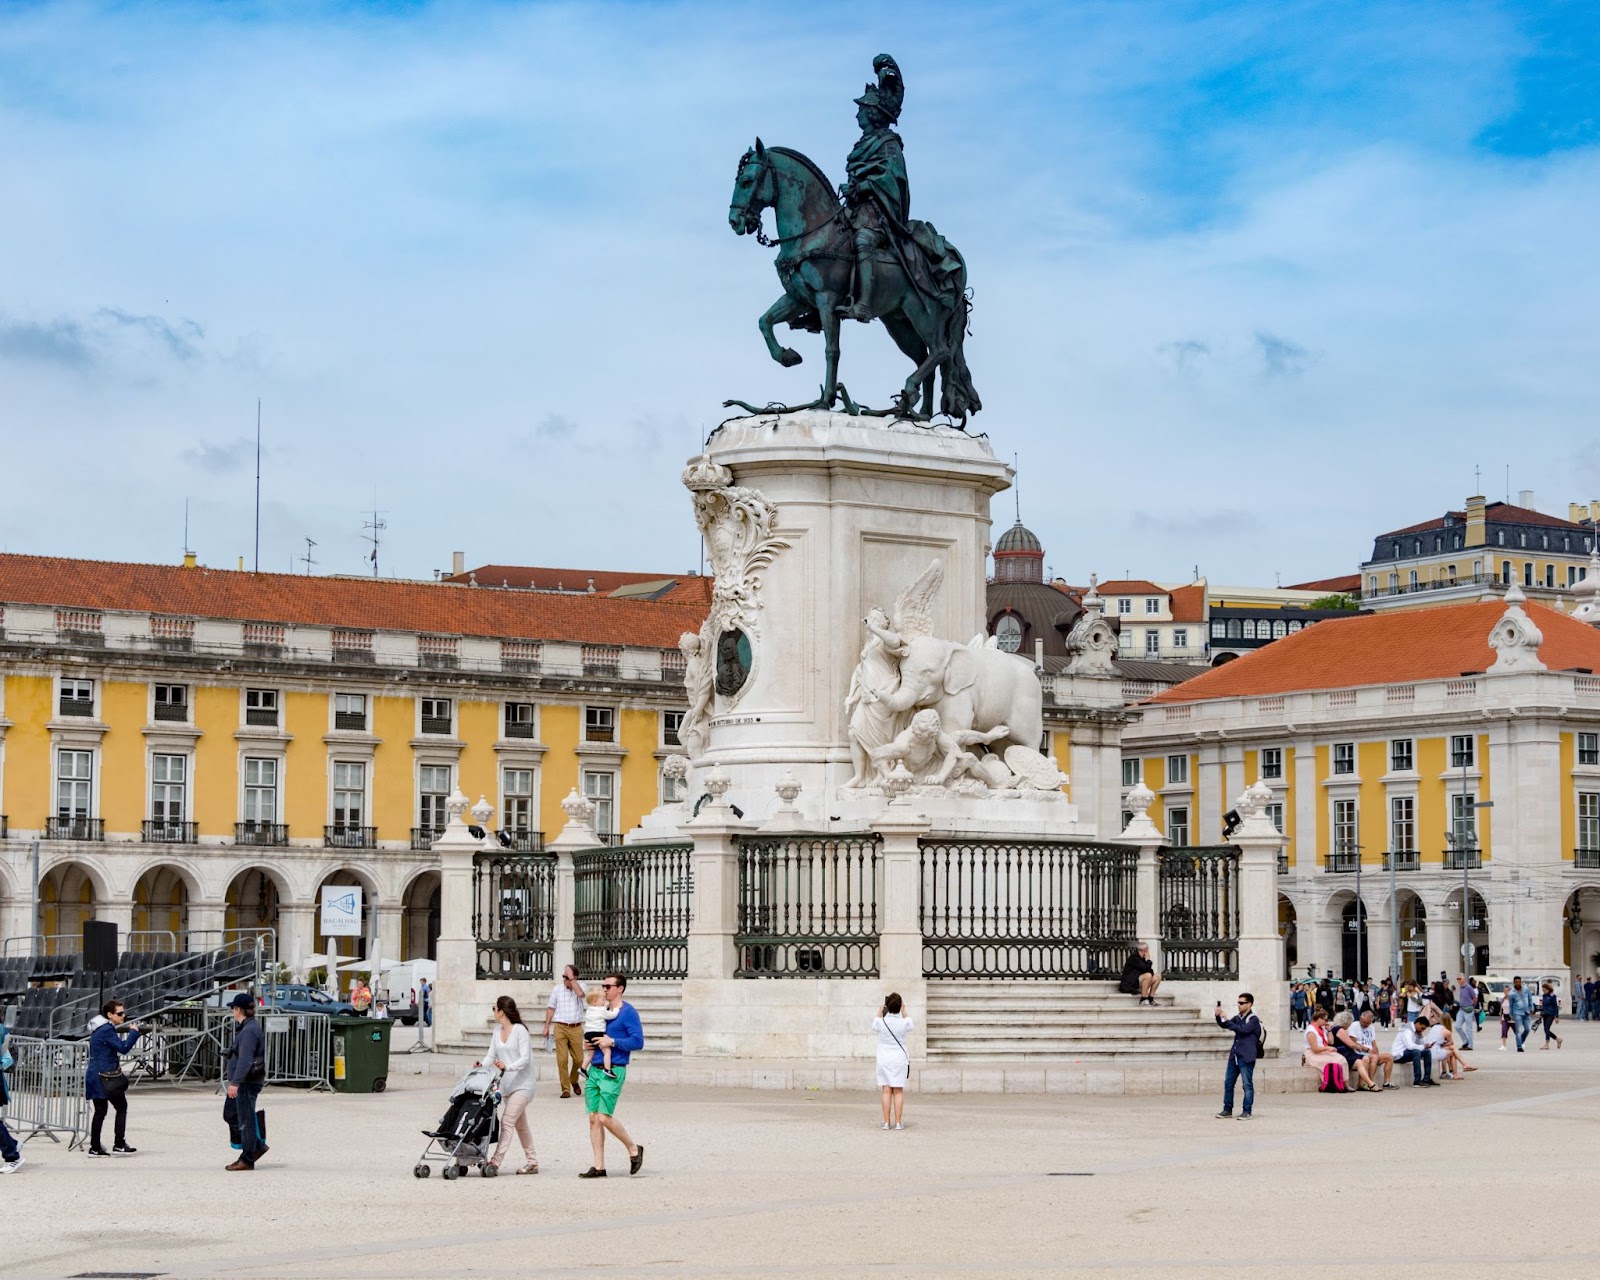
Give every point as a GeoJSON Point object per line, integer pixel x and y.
{"type": "Point", "coordinates": [145, 981]}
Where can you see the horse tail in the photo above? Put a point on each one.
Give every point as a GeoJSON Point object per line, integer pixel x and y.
{"type": "Point", "coordinates": [958, 398]}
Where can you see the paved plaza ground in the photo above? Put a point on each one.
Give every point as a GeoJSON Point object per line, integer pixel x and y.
{"type": "Point", "coordinates": [1492, 1177]}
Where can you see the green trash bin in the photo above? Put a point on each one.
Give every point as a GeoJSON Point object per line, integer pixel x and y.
{"type": "Point", "coordinates": [360, 1054]}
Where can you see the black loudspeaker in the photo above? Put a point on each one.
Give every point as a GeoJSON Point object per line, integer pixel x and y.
{"type": "Point", "coordinates": [99, 946]}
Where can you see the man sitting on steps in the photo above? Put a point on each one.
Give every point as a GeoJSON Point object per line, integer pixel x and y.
{"type": "Point", "coordinates": [1139, 976]}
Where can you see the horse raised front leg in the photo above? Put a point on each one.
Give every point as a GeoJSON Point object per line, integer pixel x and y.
{"type": "Point", "coordinates": [780, 312]}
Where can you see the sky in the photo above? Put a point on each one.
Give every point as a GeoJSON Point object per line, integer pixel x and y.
{"type": "Point", "coordinates": [1252, 282]}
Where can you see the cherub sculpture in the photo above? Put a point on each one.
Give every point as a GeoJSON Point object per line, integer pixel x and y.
{"type": "Point", "coordinates": [932, 756]}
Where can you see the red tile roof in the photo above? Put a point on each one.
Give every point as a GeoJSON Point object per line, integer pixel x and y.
{"type": "Point", "coordinates": [363, 604]}
{"type": "Point", "coordinates": [1130, 587]}
{"type": "Point", "coordinates": [1349, 583]}
{"type": "Point", "coordinates": [1503, 512]}
{"type": "Point", "coordinates": [1396, 647]}
{"type": "Point", "coordinates": [1189, 603]}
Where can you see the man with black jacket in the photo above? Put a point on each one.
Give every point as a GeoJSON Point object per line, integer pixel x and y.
{"type": "Point", "coordinates": [247, 1071]}
{"type": "Point", "coordinates": [1246, 1028]}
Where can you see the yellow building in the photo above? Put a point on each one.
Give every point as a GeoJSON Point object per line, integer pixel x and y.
{"type": "Point", "coordinates": [198, 751]}
{"type": "Point", "coordinates": [1419, 760]}
{"type": "Point", "coordinates": [1483, 548]}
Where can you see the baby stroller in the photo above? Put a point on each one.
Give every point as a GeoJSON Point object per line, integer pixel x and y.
{"type": "Point", "coordinates": [470, 1128]}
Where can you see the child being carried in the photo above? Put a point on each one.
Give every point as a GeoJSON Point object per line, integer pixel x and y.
{"type": "Point", "coordinates": [595, 1017]}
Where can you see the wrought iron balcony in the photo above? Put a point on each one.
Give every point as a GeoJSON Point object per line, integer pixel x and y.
{"type": "Point", "coordinates": [524, 841]}
{"type": "Point", "coordinates": [436, 724]}
{"type": "Point", "coordinates": [423, 837]}
{"type": "Point", "coordinates": [1343, 860]}
{"type": "Point", "coordinates": [162, 832]}
{"type": "Point", "coordinates": [1402, 860]}
{"type": "Point", "coordinates": [340, 835]}
{"type": "Point", "coordinates": [62, 827]}
{"type": "Point", "coordinates": [77, 706]}
{"type": "Point", "coordinates": [1457, 859]}
{"type": "Point", "coordinates": [1584, 858]}
{"type": "Point", "coordinates": [519, 728]}
{"type": "Point", "coordinates": [177, 712]}
{"type": "Point", "coordinates": [350, 721]}
{"type": "Point", "coordinates": [261, 833]}
{"type": "Point", "coordinates": [261, 717]}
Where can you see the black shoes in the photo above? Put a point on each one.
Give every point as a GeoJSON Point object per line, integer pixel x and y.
{"type": "Point", "coordinates": [592, 1172]}
{"type": "Point", "coordinates": [636, 1161]}
{"type": "Point", "coordinates": [99, 1151]}
{"type": "Point", "coordinates": [123, 1149]}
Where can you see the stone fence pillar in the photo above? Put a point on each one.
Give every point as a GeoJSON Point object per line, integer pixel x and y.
{"type": "Point", "coordinates": [454, 996]}
{"type": "Point", "coordinates": [577, 836]}
{"type": "Point", "coordinates": [900, 911]}
{"type": "Point", "coordinates": [715, 919]}
{"type": "Point", "coordinates": [1260, 946]}
{"type": "Point", "coordinates": [1142, 832]}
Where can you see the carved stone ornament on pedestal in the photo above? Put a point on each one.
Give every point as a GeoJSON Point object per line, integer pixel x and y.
{"type": "Point", "coordinates": [963, 717]}
{"type": "Point", "coordinates": [1251, 806]}
{"type": "Point", "coordinates": [736, 524]}
{"type": "Point", "coordinates": [1588, 593]}
{"type": "Point", "coordinates": [1137, 802]}
{"type": "Point", "coordinates": [1515, 639]}
{"type": "Point", "coordinates": [482, 812]}
{"type": "Point", "coordinates": [578, 807]}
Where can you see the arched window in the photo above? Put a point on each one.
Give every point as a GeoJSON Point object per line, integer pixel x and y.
{"type": "Point", "coordinates": [1249, 628]}
{"type": "Point", "coordinates": [1235, 629]}
{"type": "Point", "coordinates": [1280, 628]}
{"type": "Point", "coordinates": [1296, 625]}
{"type": "Point", "coordinates": [1501, 535]}
{"type": "Point", "coordinates": [1372, 585]}
{"type": "Point", "coordinates": [1394, 581]}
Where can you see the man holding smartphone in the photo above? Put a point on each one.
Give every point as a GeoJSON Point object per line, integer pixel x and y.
{"type": "Point", "coordinates": [1247, 1038]}
{"type": "Point", "coordinates": [564, 1012]}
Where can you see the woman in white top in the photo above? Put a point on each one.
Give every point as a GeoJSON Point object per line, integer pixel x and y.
{"type": "Point", "coordinates": [511, 1053]}
{"type": "Point", "coordinates": [894, 1062]}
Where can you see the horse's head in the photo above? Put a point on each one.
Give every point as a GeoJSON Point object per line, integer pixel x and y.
{"type": "Point", "coordinates": [753, 191]}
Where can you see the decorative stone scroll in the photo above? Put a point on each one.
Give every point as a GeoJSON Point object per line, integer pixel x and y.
{"type": "Point", "coordinates": [1515, 639]}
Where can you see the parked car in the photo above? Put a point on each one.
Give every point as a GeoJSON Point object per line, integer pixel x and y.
{"type": "Point", "coordinates": [296, 997]}
{"type": "Point", "coordinates": [1493, 988]}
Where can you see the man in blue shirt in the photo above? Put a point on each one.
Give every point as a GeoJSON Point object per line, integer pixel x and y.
{"type": "Point", "coordinates": [1246, 1030]}
{"type": "Point", "coordinates": [1519, 1004]}
{"type": "Point", "coordinates": [624, 1035]}
{"type": "Point", "coordinates": [1466, 1009]}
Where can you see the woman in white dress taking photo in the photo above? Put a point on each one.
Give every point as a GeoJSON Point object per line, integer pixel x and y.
{"type": "Point", "coordinates": [894, 1061]}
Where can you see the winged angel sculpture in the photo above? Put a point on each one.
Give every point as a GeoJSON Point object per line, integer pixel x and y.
{"type": "Point", "coordinates": [958, 714]}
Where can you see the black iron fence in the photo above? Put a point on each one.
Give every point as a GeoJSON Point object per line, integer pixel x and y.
{"type": "Point", "coordinates": [514, 914]}
{"type": "Point", "coordinates": [808, 907]}
{"type": "Point", "coordinates": [1197, 896]}
{"type": "Point", "coordinates": [632, 905]}
{"type": "Point", "coordinates": [1026, 908]}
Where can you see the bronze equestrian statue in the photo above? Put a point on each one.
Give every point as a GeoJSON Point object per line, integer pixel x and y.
{"type": "Point", "coordinates": [858, 255]}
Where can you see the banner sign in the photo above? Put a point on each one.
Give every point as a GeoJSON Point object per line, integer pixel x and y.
{"type": "Point", "coordinates": [341, 911]}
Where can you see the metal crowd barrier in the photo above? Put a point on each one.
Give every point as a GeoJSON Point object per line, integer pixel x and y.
{"type": "Point", "coordinates": [46, 1087]}
{"type": "Point", "coordinates": [299, 1048]}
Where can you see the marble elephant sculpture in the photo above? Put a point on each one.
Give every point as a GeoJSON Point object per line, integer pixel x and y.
{"type": "Point", "coordinates": [971, 687]}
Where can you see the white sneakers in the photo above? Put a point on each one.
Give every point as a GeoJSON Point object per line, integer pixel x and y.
{"type": "Point", "coordinates": [11, 1166]}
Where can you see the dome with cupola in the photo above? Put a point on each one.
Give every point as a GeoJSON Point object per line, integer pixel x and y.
{"type": "Point", "coordinates": [1018, 556]}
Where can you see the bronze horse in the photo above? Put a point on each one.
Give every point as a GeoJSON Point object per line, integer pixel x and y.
{"type": "Point", "coordinates": [816, 265]}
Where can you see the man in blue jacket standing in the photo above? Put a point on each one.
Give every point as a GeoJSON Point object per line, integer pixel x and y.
{"type": "Point", "coordinates": [1247, 1038]}
{"type": "Point", "coordinates": [624, 1035]}
{"type": "Point", "coordinates": [247, 1072]}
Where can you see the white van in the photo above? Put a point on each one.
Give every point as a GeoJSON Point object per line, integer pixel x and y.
{"type": "Point", "coordinates": [1493, 986]}
{"type": "Point", "coordinates": [397, 982]}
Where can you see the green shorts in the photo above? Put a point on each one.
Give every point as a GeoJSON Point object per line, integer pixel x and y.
{"type": "Point", "coordinates": [600, 1092]}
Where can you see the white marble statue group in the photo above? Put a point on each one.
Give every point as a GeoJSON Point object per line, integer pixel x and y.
{"type": "Point", "coordinates": [967, 717]}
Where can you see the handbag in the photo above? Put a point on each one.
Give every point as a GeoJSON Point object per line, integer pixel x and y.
{"type": "Point", "coordinates": [113, 1083]}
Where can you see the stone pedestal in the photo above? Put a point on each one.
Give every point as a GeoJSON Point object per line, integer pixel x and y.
{"type": "Point", "coordinates": [863, 506]}
{"type": "Point", "coordinates": [455, 1020]}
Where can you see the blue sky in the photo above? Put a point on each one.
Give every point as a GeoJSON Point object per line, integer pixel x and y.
{"type": "Point", "coordinates": [1252, 282]}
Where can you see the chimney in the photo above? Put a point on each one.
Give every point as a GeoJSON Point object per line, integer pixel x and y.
{"type": "Point", "coordinates": [1476, 534]}
{"type": "Point", "coordinates": [1577, 511]}
{"type": "Point", "coordinates": [190, 560]}
{"type": "Point", "coordinates": [458, 563]}
{"type": "Point", "coordinates": [1525, 499]}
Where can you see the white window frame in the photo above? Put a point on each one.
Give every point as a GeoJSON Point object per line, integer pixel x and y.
{"type": "Point", "coordinates": [1179, 833]}
{"type": "Point", "coordinates": [1467, 757]}
{"type": "Point", "coordinates": [1588, 744]}
{"type": "Point", "coordinates": [1588, 823]}
{"type": "Point", "coordinates": [1124, 605]}
{"type": "Point", "coordinates": [1346, 827]}
{"type": "Point", "coordinates": [508, 796]}
{"type": "Point", "coordinates": [246, 787]}
{"type": "Point", "coordinates": [1180, 637]}
{"type": "Point", "coordinates": [1338, 758]}
{"type": "Point", "coordinates": [591, 713]}
{"type": "Point", "coordinates": [92, 790]}
{"type": "Point", "coordinates": [507, 719]}
{"type": "Point", "coordinates": [1271, 769]}
{"type": "Point", "coordinates": [1402, 824]}
{"type": "Point", "coordinates": [259, 698]}
{"type": "Point", "coordinates": [184, 786]}
{"type": "Point", "coordinates": [76, 683]}
{"type": "Point", "coordinates": [1178, 771]}
{"type": "Point", "coordinates": [365, 710]}
{"type": "Point", "coordinates": [423, 705]}
{"type": "Point", "coordinates": [434, 816]}
{"type": "Point", "coordinates": [334, 791]}
{"type": "Point", "coordinates": [1152, 605]}
{"type": "Point", "coordinates": [156, 700]}
{"type": "Point", "coordinates": [609, 825]}
{"type": "Point", "coordinates": [1409, 748]}
{"type": "Point", "coordinates": [671, 724]}
{"type": "Point", "coordinates": [1275, 814]}
{"type": "Point", "coordinates": [1132, 771]}
{"type": "Point", "coordinates": [1464, 819]}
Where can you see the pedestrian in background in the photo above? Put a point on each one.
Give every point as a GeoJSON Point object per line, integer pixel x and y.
{"type": "Point", "coordinates": [1550, 1013]}
{"type": "Point", "coordinates": [1466, 1010]}
{"type": "Point", "coordinates": [1520, 1002]}
{"type": "Point", "coordinates": [564, 1016]}
{"type": "Point", "coordinates": [893, 1025]}
{"type": "Point", "coordinates": [247, 1073]}
{"type": "Point", "coordinates": [104, 1083]}
{"type": "Point", "coordinates": [10, 1153]}
{"type": "Point", "coordinates": [1247, 1041]}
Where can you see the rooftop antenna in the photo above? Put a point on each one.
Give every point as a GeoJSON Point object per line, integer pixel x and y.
{"type": "Point", "coordinates": [186, 526]}
{"type": "Point", "coordinates": [1477, 479]}
{"type": "Point", "coordinates": [306, 559]}
{"type": "Point", "coordinates": [1508, 484]}
{"type": "Point", "coordinates": [1016, 485]}
{"type": "Point", "coordinates": [258, 484]}
{"type": "Point", "coordinates": [374, 527]}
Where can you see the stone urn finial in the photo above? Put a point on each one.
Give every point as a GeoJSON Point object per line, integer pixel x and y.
{"type": "Point", "coordinates": [455, 807]}
{"type": "Point", "coordinates": [717, 784]}
{"type": "Point", "coordinates": [578, 807]}
{"type": "Point", "coordinates": [898, 783]}
{"type": "Point", "coordinates": [1137, 802]}
{"type": "Point", "coordinates": [482, 812]}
